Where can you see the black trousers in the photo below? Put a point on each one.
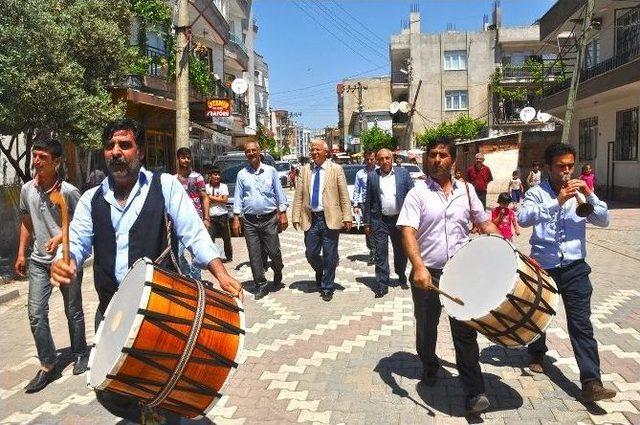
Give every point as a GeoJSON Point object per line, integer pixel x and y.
{"type": "Point", "coordinates": [261, 235]}
{"type": "Point", "coordinates": [483, 198]}
{"type": "Point", "coordinates": [383, 230]}
{"type": "Point", "coordinates": [220, 229]}
{"type": "Point", "coordinates": [427, 309]}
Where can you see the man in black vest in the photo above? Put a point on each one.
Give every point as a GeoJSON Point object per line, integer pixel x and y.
{"type": "Point", "coordinates": [123, 220]}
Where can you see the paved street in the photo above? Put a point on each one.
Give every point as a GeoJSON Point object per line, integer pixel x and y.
{"type": "Point", "coordinates": [352, 361]}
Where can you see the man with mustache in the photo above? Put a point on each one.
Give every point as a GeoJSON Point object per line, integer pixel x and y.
{"type": "Point", "coordinates": [435, 221]}
{"type": "Point", "coordinates": [41, 221]}
{"type": "Point", "coordinates": [558, 244]}
{"type": "Point", "coordinates": [123, 220]}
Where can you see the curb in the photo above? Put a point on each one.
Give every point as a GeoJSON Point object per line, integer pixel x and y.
{"type": "Point", "coordinates": [9, 295]}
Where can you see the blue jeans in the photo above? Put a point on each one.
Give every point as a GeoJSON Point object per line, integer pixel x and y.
{"type": "Point", "coordinates": [187, 268]}
{"type": "Point", "coordinates": [383, 230]}
{"type": "Point", "coordinates": [320, 238]}
{"type": "Point", "coordinates": [575, 288]}
{"type": "Point", "coordinates": [38, 307]}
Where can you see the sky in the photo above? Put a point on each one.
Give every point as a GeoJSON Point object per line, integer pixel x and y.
{"type": "Point", "coordinates": [310, 45]}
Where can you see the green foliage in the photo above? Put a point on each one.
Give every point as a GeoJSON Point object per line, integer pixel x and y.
{"type": "Point", "coordinates": [539, 74]}
{"type": "Point", "coordinates": [463, 128]}
{"type": "Point", "coordinates": [375, 139]}
{"type": "Point", "coordinates": [56, 58]}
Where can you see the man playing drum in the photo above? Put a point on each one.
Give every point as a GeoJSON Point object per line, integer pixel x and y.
{"type": "Point", "coordinates": [123, 219]}
{"type": "Point", "coordinates": [558, 245]}
{"type": "Point", "coordinates": [435, 220]}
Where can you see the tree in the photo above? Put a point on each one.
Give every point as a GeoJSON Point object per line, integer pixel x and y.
{"type": "Point", "coordinates": [376, 139]}
{"type": "Point", "coordinates": [56, 59]}
{"type": "Point", "coordinates": [463, 128]}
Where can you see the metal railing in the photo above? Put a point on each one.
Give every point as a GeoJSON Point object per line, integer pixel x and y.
{"type": "Point", "coordinates": [398, 77]}
{"type": "Point", "coordinates": [237, 40]}
{"type": "Point", "coordinates": [523, 72]}
{"type": "Point", "coordinates": [155, 54]}
{"type": "Point", "coordinates": [600, 68]}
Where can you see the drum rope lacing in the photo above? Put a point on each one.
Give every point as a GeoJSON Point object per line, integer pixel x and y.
{"type": "Point", "coordinates": [188, 349]}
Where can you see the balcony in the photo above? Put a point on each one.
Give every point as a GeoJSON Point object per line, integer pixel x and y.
{"type": "Point", "coordinates": [620, 63]}
{"type": "Point", "coordinates": [237, 50]}
{"type": "Point", "coordinates": [213, 17]}
{"type": "Point", "coordinates": [524, 73]}
{"type": "Point", "coordinates": [399, 78]}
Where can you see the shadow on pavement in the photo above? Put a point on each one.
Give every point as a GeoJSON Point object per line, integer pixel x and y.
{"type": "Point", "coordinates": [371, 282]}
{"type": "Point", "coordinates": [309, 286]}
{"type": "Point", "coordinates": [500, 356]}
{"type": "Point", "coordinates": [446, 395]}
{"type": "Point", "coordinates": [358, 257]}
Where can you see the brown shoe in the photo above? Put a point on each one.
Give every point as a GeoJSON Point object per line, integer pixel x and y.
{"type": "Point", "coordinates": [536, 362]}
{"type": "Point", "coordinates": [594, 391]}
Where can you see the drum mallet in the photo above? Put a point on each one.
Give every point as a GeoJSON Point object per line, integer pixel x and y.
{"type": "Point", "coordinates": [451, 297]}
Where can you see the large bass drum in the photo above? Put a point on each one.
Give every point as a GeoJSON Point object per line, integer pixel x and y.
{"type": "Point", "coordinates": [507, 297]}
{"type": "Point", "coordinates": [167, 341]}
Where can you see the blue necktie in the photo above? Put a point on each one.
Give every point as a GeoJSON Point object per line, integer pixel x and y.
{"type": "Point", "coordinates": [315, 195]}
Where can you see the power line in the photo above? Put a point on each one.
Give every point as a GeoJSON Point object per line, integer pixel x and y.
{"type": "Point", "coordinates": [359, 22]}
{"type": "Point", "coordinates": [349, 30]}
{"type": "Point", "coordinates": [330, 82]}
{"type": "Point", "coordinates": [334, 34]}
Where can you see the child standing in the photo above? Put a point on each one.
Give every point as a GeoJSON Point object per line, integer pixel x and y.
{"type": "Point", "coordinates": [535, 175]}
{"type": "Point", "coordinates": [515, 187]}
{"type": "Point", "coordinates": [587, 176]}
{"type": "Point", "coordinates": [504, 217]}
{"type": "Point", "coordinates": [458, 175]}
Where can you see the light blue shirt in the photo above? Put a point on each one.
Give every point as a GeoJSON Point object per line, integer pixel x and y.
{"type": "Point", "coordinates": [558, 233]}
{"type": "Point", "coordinates": [186, 222]}
{"type": "Point", "coordinates": [258, 191]}
{"type": "Point", "coordinates": [360, 186]}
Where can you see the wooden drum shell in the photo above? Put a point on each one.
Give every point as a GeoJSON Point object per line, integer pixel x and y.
{"type": "Point", "coordinates": [146, 366]}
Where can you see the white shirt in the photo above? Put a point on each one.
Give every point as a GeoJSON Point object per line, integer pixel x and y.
{"type": "Point", "coordinates": [317, 172]}
{"type": "Point", "coordinates": [217, 208]}
{"type": "Point", "coordinates": [388, 193]}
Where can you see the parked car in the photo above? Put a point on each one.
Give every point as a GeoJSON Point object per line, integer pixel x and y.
{"type": "Point", "coordinates": [414, 171]}
{"type": "Point", "coordinates": [230, 164]}
{"type": "Point", "coordinates": [284, 169]}
{"type": "Point", "coordinates": [350, 171]}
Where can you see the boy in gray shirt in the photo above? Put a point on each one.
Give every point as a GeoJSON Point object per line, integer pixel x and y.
{"type": "Point", "coordinates": [41, 221]}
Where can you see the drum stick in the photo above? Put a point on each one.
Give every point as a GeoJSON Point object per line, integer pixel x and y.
{"type": "Point", "coordinates": [451, 297]}
{"type": "Point", "coordinates": [57, 198]}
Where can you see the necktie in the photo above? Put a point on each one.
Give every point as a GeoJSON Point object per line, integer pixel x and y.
{"type": "Point", "coordinates": [315, 195]}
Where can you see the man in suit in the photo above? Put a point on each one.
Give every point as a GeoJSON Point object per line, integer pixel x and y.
{"type": "Point", "coordinates": [321, 207]}
{"type": "Point", "coordinates": [387, 187]}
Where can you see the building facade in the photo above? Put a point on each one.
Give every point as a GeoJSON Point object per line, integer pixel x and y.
{"type": "Point", "coordinates": [604, 129]}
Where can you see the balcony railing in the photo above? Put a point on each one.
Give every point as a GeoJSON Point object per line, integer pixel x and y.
{"type": "Point", "coordinates": [237, 39]}
{"type": "Point", "coordinates": [513, 72]}
{"type": "Point", "coordinates": [598, 69]}
{"type": "Point", "coordinates": [155, 54]}
{"type": "Point", "coordinates": [398, 77]}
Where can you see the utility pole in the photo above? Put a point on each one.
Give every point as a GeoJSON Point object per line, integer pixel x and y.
{"type": "Point", "coordinates": [183, 31]}
{"type": "Point", "coordinates": [359, 87]}
{"type": "Point", "coordinates": [575, 78]}
{"type": "Point", "coordinates": [411, 112]}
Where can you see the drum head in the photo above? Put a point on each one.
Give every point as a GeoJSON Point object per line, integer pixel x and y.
{"type": "Point", "coordinates": [121, 324]}
{"type": "Point", "coordinates": [481, 273]}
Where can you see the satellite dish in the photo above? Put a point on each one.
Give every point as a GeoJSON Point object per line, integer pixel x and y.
{"type": "Point", "coordinates": [404, 107]}
{"type": "Point", "coordinates": [239, 86]}
{"type": "Point", "coordinates": [394, 107]}
{"type": "Point", "coordinates": [543, 116]}
{"type": "Point", "coordinates": [527, 114]}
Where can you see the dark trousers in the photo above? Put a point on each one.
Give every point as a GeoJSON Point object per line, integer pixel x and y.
{"type": "Point", "coordinates": [38, 307]}
{"type": "Point", "coordinates": [575, 288]}
{"type": "Point", "coordinates": [427, 309]}
{"type": "Point", "coordinates": [220, 229]}
{"type": "Point", "coordinates": [483, 198]}
{"type": "Point", "coordinates": [320, 238]}
{"type": "Point", "coordinates": [370, 243]}
{"type": "Point", "coordinates": [261, 234]}
{"type": "Point", "coordinates": [384, 229]}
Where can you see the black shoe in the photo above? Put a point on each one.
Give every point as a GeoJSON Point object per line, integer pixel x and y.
{"type": "Point", "coordinates": [429, 378]}
{"type": "Point", "coordinates": [41, 380]}
{"type": "Point", "coordinates": [327, 295]}
{"type": "Point", "coordinates": [381, 292]}
{"type": "Point", "coordinates": [277, 280]}
{"type": "Point", "coordinates": [80, 365]}
{"type": "Point", "coordinates": [261, 291]}
{"type": "Point", "coordinates": [477, 404]}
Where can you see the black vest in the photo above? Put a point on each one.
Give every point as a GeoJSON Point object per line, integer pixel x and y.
{"type": "Point", "coordinates": [147, 238]}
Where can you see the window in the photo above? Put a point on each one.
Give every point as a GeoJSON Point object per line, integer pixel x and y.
{"type": "Point", "coordinates": [627, 135]}
{"type": "Point", "coordinates": [455, 100]}
{"type": "Point", "coordinates": [588, 139]}
{"type": "Point", "coordinates": [627, 30]}
{"type": "Point", "coordinates": [455, 60]}
{"type": "Point", "coordinates": [592, 53]}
